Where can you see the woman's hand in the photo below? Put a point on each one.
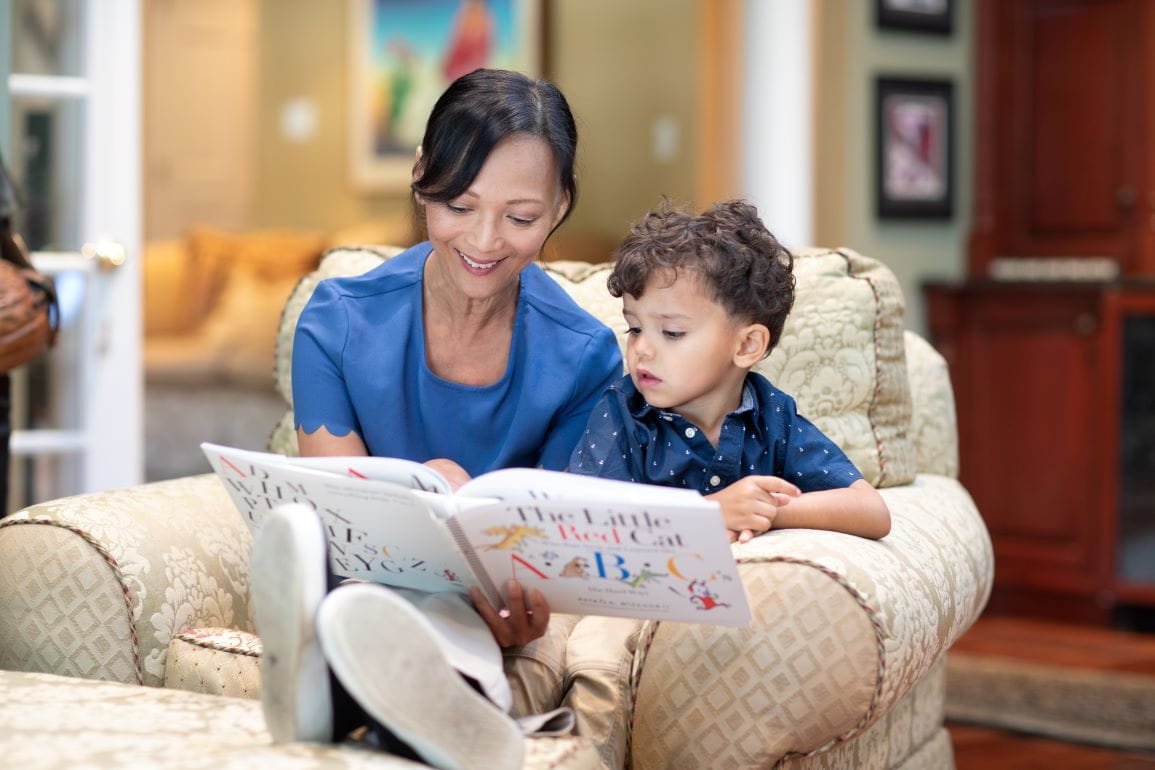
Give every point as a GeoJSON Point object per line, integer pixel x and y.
{"type": "Point", "coordinates": [453, 473]}
{"type": "Point", "coordinates": [523, 620]}
{"type": "Point", "coordinates": [750, 504]}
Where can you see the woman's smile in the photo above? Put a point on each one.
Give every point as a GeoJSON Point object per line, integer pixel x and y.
{"type": "Point", "coordinates": [477, 266]}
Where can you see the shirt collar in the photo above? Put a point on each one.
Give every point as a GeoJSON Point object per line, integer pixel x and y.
{"type": "Point", "coordinates": [640, 408]}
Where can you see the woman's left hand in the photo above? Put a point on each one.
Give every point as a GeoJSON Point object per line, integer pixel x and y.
{"type": "Point", "coordinates": [453, 473]}
{"type": "Point", "coordinates": [523, 620]}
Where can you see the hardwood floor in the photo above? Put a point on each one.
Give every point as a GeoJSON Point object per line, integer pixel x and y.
{"type": "Point", "coordinates": [984, 748]}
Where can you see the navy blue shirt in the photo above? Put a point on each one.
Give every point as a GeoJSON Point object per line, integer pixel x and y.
{"type": "Point", "coordinates": [629, 440]}
{"type": "Point", "coordinates": [359, 365]}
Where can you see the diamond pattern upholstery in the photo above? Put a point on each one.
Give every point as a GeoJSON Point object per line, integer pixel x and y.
{"type": "Point", "coordinates": [49, 721]}
{"type": "Point", "coordinates": [65, 611]}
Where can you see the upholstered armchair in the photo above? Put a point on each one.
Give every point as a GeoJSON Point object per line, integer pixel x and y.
{"type": "Point", "coordinates": [841, 668]}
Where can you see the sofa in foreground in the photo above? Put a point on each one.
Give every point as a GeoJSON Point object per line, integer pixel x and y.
{"type": "Point", "coordinates": [841, 668]}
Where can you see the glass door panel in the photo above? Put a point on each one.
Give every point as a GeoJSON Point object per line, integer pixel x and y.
{"type": "Point", "coordinates": [1137, 452]}
{"type": "Point", "coordinates": [45, 162]}
{"type": "Point", "coordinates": [48, 37]}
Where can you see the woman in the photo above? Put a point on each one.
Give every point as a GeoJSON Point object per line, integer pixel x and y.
{"type": "Point", "coordinates": [460, 353]}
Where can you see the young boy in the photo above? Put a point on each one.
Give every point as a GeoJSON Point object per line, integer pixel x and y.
{"type": "Point", "coordinates": [706, 298]}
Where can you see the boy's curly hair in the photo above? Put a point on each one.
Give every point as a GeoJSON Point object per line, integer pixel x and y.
{"type": "Point", "coordinates": [745, 267]}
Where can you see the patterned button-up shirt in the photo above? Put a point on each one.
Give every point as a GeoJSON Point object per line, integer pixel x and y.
{"type": "Point", "coordinates": [629, 440]}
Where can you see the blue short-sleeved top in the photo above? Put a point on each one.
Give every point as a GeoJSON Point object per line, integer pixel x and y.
{"type": "Point", "coordinates": [629, 440]}
{"type": "Point", "coordinates": [359, 364]}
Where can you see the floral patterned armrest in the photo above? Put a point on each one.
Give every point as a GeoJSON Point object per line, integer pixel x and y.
{"type": "Point", "coordinates": [96, 585]}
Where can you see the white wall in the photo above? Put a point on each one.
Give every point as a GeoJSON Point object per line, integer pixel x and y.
{"type": "Point", "coordinates": [776, 172]}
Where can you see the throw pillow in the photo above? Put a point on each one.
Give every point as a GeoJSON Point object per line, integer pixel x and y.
{"type": "Point", "coordinates": [842, 357]}
{"type": "Point", "coordinates": [271, 255]}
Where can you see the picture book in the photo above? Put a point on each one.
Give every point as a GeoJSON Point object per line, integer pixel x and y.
{"type": "Point", "coordinates": [591, 546]}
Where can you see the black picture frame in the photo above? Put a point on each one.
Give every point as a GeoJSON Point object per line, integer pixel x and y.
{"type": "Point", "coordinates": [914, 148]}
{"type": "Point", "coordinates": [930, 16]}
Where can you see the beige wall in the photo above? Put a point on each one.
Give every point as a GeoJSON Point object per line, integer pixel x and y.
{"type": "Point", "coordinates": [199, 112]}
{"type": "Point", "coordinates": [851, 52]}
{"type": "Point", "coordinates": [304, 56]}
{"type": "Point", "coordinates": [622, 65]}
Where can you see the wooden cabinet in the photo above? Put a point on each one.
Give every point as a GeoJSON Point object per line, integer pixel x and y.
{"type": "Point", "coordinates": [1039, 381]}
{"type": "Point", "coordinates": [1057, 442]}
{"type": "Point", "coordinates": [1065, 136]}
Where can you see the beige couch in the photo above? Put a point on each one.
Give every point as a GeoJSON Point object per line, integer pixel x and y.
{"type": "Point", "coordinates": [842, 667]}
{"type": "Point", "coordinates": [212, 299]}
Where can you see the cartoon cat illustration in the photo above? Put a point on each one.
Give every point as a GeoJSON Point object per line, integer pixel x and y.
{"type": "Point", "coordinates": [577, 567]}
{"type": "Point", "coordinates": [701, 596]}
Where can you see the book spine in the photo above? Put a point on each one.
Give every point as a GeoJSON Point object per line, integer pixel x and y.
{"type": "Point", "coordinates": [466, 550]}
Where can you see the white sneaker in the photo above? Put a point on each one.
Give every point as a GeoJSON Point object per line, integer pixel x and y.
{"type": "Point", "coordinates": [386, 655]}
{"type": "Point", "coordinates": [289, 581]}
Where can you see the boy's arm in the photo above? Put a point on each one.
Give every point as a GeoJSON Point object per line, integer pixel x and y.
{"type": "Point", "coordinates": [755, 504]}
{"type": "Point", "coordinates": [857, 510]}
{"type": "Point", "coordinates": [750, 505]}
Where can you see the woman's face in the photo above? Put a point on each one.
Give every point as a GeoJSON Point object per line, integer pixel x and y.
{"type": "Point", "coordinates": [483, 238]}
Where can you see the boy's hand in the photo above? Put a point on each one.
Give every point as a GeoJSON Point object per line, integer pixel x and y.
{"type": "Point", "coordinates": [453, 473]}
{"type": "Point", "coordinates": [750, 504]}
{"type": "Point", "coordinates": [524, 620]}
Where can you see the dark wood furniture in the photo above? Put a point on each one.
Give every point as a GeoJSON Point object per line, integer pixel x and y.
{"type": "Point", "coordinates": [1065, 169]}
{"type": "Point", "coordinates": [1065, 137]}
{"type": "Point", "coordinates": [1040, 382]}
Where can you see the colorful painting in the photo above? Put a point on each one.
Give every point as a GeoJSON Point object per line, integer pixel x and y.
{"type": "Point", "coordinates": [405, 52]}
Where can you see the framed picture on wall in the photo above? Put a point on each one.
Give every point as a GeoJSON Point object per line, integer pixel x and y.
{"type": "Point", "coordinates": [403, 55]}
{"type": "Point", "coordinates": [934, 16]}
{"type": "Point", "coordinates": [914, 157]}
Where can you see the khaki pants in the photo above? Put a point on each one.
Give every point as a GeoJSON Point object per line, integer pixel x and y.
{"type": "Point", "coordinates": [583, 663]}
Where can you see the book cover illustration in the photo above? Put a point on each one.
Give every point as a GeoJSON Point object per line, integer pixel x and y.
{"type": "Point", "coordinates": [673, 563]}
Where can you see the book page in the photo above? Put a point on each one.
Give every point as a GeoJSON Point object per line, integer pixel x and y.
{"type": "Point", "coordinates": [376, 530]}
{"type": "Point", "coordinates": [664, 561]}
{"type": "Point", "coordinates": [407, 473]}
{"type": "Point", "coordinates": [529, 484]}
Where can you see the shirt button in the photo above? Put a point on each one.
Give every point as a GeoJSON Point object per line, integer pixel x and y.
{"type": "Point", "coordinates": [690, 433]}
{"type": "Point", "coordinates": [715, 481]}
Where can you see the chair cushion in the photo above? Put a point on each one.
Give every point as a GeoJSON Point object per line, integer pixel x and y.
{"type": "Point", "coordinates": [217, 661]}
{"type": "Point", "coordinates": [271, 254]}
{"type": "Point", "coordinates": [842, 356]}
{"type": "Point", "coordinates": [49, 721]}
{"type": "Point", "coordinates": [842, 353]}
{"type": "Point", "coordinates": [933, 429]}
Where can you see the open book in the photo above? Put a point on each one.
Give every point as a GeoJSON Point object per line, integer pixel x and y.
{"type": "Point", "coordinates": [591, 546]}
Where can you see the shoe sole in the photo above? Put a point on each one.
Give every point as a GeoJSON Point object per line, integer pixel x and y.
{"type": "Point", "coordinates": [386, 655]}
{"type": "Point", "coordinates": [287, 591]}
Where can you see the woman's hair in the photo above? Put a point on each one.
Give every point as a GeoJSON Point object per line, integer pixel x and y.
{"type": "Point", "coordinates": [738, 260]}
{"type": "Point", "coordinates": [476, 112]}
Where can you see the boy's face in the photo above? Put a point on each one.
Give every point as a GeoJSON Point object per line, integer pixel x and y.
{"type": "Point", "coordinates": [682, 347]}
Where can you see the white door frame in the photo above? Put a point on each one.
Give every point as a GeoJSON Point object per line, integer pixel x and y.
{"type": "Point", "coordinates": [109, 384]}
